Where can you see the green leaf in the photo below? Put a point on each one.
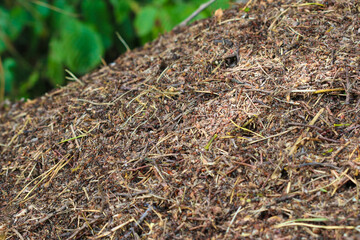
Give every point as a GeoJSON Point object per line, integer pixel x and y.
{"type": "Point", "coordinates": [165, 19]}
{"type": "Point", "coordinates": [160, 2]}
{"type": "Point", "coordinates": [19, 18]}
{"type": "Point", "coordinates": [96, 14]}
{"type": "Point", "coordinates": [82, 47]}
{"type": "Point", "coordinates": [59, 18]}
{"type": "Point", "coordinates": [4, 20]}
{"type": "Point", "coordinates": [55, 68]}
{"type": "Point", "coordinates": [9, 65]}
{"type": "Point", "coordinates": [42, 10]}
{"type": "Point", "coordinates": [145, 20]}
{"type": "Point", "coordinates": [181, 11]}
{"type": "Point", "coordinates": [223, 4]}
{"type": "Point", "coordinates": [55, 72]}
{"type": "Point", "coordinates": [55, 50]}
{"type": "Point", "coordinates": [12, 22]}
{"type": "Point", "coordinates": [121, 10]}
{"type": "Point", "coordinates": [30, 83]}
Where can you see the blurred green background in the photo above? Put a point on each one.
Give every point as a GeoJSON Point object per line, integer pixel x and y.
{"type": "Point", "coordinates": [39, 39]}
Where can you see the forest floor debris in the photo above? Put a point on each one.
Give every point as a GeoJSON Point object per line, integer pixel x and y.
{"type": "Point", "coordinates": [245, 125]}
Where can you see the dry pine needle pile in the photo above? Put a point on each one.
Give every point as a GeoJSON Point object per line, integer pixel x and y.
{"type": "Point", "coordinates": [242, 125]}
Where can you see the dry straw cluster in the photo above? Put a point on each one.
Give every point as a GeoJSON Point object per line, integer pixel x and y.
{"type": "Point", "coordinates": [242, 125]}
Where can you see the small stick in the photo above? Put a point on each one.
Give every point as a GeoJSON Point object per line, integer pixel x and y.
{"type": "Point", "coordinates": [348, 87]}
{"type": "Point", "coordinates": [317, 164]}
{"type": "Point", "coordinates": [123, 42]}
{"type": "Point", "coordinates": [194, 14]}
{"type": "Point", "coordinates": [75, 137]}
{"type": "Point", "coordinates": [17, 233]}
{"type": "Point", "coordinates": [321, 137]}
{"type": "Point", "coordinates": [49, 216]}
{"type": "Point", "coordinates": [85, 224]}
{"type": "Point", "coordinates": [150, 208]}
{"type": "Point", "coordinates": [74, 78]}
{"type": "Point", "coordinates": [232, 221]}
{"type": "Point", "coordinates": [305, 125]}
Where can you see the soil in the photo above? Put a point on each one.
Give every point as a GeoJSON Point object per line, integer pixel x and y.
{"type": "Point", "coordinates": [243, 125]}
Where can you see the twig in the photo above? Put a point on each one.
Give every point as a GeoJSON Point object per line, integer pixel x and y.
{"type": "Point", "coordinates": [123, 41]}
{"type": "Point", "coordinates": [317, 164]}
{"type": "Point", "coordinates": [305, 125]}
{"type": "Point", "coordinates": [321, 137]}
{"type": "Point", "coordinates": [129, 195]}
{"type": "Point", "coordinates": [339, 150]}
{"type": "Point", "coordinates": [232, 221]}
{"type": "Point", "coordinates": [143, 216]}
{"type": "Point", "coordinates": [272, 26]}
{"type": "Point", "coordinates": [75, 137]}
{"type": "Point", "coordinates": [55, 9]}
{"type": "Point", "coordinates": [85, 224]}
{"type": "Point", "coordinates": [300, 138]}
{"type": "Point", "coordinates": [288, 224]}
{"type": "Point", "coordinates": [17, 233]}
{"type": "Point", "coordinates": [74, 78]}
{"type": "Point", "coordinates": [194, 14]}
{"type": "Point", "coordinates": [94, 103]}
{"type": "Point", "coordinates": [50, 215]}
{"type": "Point", "coordinates": [316, 91]}
{"type": "Point", "coordinates": [28, 120]}
{"type": "Point", "coordinates": [348, 87]}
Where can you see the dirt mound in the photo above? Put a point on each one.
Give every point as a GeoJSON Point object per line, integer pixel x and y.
{"type": "Point", "coordinates": [241, 126]}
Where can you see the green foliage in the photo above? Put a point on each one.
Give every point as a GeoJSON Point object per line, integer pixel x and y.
{"type": "Point", "coordinates": [96, 15]}
{"type": "Point", "coordinates": [81, 46]}
{"type": "Point", "coordinates": [145, 20]}
{"type": "Point", "coordinates": [9, 65]}
{"type": "Point", "coordinates": [39, 39]}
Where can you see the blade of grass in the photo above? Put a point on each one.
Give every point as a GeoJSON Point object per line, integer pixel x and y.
{"type": "Point", "coordinates": [211, 140]}
{"type": "Point", "coordinates": [247, 130]}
